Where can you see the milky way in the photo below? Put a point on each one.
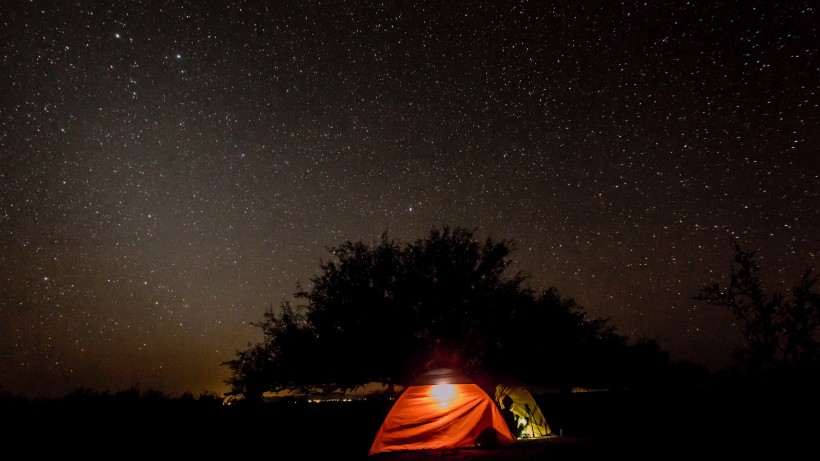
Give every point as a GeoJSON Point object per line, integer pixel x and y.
{"type": "Point", "coordinates": [171, 169]}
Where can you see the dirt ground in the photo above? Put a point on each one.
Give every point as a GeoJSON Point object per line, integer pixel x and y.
{"type": "Point", "coordinates": [551, 448]}
{"type": "Point", "coordinates": [637, 447]}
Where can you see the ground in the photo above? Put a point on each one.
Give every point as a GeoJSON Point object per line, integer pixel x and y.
{"type": "Point", "coordinates": [684, 423]}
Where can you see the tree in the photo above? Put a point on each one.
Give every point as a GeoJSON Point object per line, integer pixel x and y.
{"type": "Point", "coordinates": [275, 363]}
{"type": "Point", "coordinates": [551, 341]}
{"type": "Point", "coordinates": [387, 312]}
{"type": "Point", "coordinates": [781, 334]}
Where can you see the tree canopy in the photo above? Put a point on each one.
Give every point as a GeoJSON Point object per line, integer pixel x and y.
{"type": "Point", "coordinates": [780, 331]}
{"type": "Point", "coordinates": [387, 312]}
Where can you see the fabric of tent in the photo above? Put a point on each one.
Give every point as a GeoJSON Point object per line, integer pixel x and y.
{"type": "Point", "coordinates": [515, 401]}
{"type": "Point", "coordinates": [442, 409]}
{"type": "Point", "coordinates": [518, 399]}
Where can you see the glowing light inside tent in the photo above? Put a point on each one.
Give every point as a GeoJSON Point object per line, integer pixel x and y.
{"type": "Point", "coordinates": [444, 395]}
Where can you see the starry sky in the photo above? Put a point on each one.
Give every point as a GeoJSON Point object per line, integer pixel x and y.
{"type": "Point", "coordinates": [171, 169]}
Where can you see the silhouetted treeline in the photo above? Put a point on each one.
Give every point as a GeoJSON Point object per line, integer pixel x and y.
{"type": "Point", "coordinates": [387, 312]}
{"type": "Point", "coordinates": [781, 330]}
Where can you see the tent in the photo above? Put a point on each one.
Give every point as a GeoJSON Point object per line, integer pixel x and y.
{"type": "Point", "coordinates": [529, 418]}
{"type": "Point", "coordinates": [442, 409]}
{"type": "Point", "coordinates": [517, 404]}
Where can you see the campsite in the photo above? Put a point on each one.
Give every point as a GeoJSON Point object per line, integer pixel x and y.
{"type": "Point", "coordinates": [730, 419]}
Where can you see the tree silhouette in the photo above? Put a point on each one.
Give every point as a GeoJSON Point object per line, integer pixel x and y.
{"type": "Point", "coordinates": [781, 334]}
{"type": "Point", "coordinates": [387, 312]}
{"type": "Point", "coordinates": [277, 362]}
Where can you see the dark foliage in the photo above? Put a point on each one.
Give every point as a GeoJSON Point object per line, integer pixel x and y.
{"type": "Point", "coordinates": [386, 313]}
{"type": "Point", "coordinates": [781, 333]}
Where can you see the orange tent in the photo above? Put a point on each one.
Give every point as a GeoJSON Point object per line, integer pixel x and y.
{"type": "Point", "coordinates": [442, 409]}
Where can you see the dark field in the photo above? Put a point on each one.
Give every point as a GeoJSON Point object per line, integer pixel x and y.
{"type": "Point", "coordinates": [703, 422]}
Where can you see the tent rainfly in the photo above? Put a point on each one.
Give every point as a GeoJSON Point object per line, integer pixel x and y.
{"type": "Point", "coordinates": [442, 409]}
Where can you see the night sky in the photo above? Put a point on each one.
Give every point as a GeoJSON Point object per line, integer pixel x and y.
{"type": "Point", "coordinates": [171, 169]}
